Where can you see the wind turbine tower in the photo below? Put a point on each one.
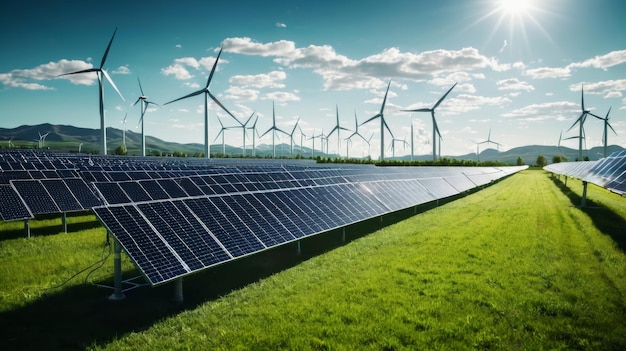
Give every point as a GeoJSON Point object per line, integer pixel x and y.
{"type": "Point", "coordinates": [435, 127]}
{"type": "Point", "coordinates": [143, 108]}
{"type": "Point", "coordinates": [100, 72]}
{"type": "Point", "coordinates": [207, 94]}
{"type": "Point", "coordinates": [383, 124]}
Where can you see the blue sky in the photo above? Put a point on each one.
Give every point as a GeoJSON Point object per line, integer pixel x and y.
{"type": "Point", "coordinates": [519, 67]}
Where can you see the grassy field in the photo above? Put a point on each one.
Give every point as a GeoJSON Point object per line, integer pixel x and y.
{"type": "Point", "coordinates": [515, 266]}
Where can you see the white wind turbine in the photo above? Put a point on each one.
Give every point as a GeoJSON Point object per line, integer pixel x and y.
{"type": "Point", "coordinates": [337, 128]}
{"type": "Point", "coordinates": [435, 127]}
{"type": "Point", "coordinates": [313, 137]}
{"type": "Point", "coordinates": [383, 124]}
{"type": "Point", "coordinates": [143, 107]}
{"type": "Point", "coordinates": [605, 134]}
{"type": "Point", "coordinates": [222, 133]}
{"type": "Point", "coordinates": [356, 132]}
{"type": "Point", "coordinates": [302, 136]}
{"type": "Point", "coordinates": [207, 94]}
{"type": "Point", "coordinates": [581, 121]}
{"type": "Point", "coordinates": [274, 129]}
{"type": "Point", "coordinates": [254, 134]}
{"type": "Point", "coordinates": [243, 128]}
{"type": "Point", "coordinates": [489, 141]}
{"type": "Point", "coordinates": [292, 133]}
{"type": "Point", "coordinates": [124, 131]}
{"type": "Point", "coordinates": [11, 143]}
{"type": "Point", "coordinates": [100, 72]}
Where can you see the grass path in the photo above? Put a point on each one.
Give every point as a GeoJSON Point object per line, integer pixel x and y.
{"type": "Point", "coordinates": [514, 266]}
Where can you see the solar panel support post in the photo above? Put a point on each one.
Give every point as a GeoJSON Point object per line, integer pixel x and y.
{"type": "Point", "coordinates": [27, 227]}
{"type": "Point", "coordinates": [583, 200]}
{"type": "Point", "coordinates": [343, 234]}
{"type": "Point", "coordinates": [299, 249]}
{"type": "Point", "coordinates": [118, 293]}
{"type": "Point", "coordinates": [565, 180]}
{"type": "Point", "coordinates": [178, 290]}
{"type": "Point", "coordinates": [64, 222]}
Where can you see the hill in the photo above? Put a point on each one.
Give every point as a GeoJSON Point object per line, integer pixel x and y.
{"type": "Point", "coordinates": [67, 138]}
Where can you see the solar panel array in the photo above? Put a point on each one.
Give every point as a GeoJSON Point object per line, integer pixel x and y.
{"type": "Point", "coordinates": [609, 172]}
{"type": "Point", "coordinates": [176, 216]}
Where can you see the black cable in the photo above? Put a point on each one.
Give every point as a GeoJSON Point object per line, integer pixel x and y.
{"type": "Point", "coordinates": [100, 263]}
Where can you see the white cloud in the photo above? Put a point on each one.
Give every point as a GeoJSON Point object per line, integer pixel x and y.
{"type": "Point", "coordinates": [514, 84]}
{"type": "Point", "coordinates": [281, 96]}
{"type": "Point", "coordinates": [122, 70]}
{"type": "Point", "coordinates": [178, 70]}
{"type": "Point", "coordinates": [281, 25]}
{"type": "Point", "coordinates": [269, 80]}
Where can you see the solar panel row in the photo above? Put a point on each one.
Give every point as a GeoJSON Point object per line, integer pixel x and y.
{"type": "Point", "coordinates": [168, 237]}
{"type": "Point", "coordinates": [609, 172]}
{"type": "Point", "coordinates": [55, 195]}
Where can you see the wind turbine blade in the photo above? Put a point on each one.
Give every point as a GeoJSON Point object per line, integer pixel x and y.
{"type": "Point", "coordinates": [140, 88]}
{"type": "Point", "coordinates": [113, 84]}
{"type": "Point", "coordinates": [382, 108]}
{"type": "Point", "coordinates": [222, 106]}
{"type": "Point", "coordinates": [150, 102]}
{"type": "Point", "coordinates": [213, 69]}
{"type": "Point", "coordinates": [582, 97]}
{"type": "Point", "coordinates": [138, 99]}
{"type": "Point", "coordinates": [218, 134]}
{"type": "Point", "coordinates": [280, 130]}
{"type": "Point", "coordinates": [419, 110]}
{"type": "Point", "coordinates": [294, 127]}
{"type": "Point", "coordinates": [444, 96]}
{"type": "Point", "coordinates": [386, 126]}
{"type": "Point", "coordinates": [267, 131]}
{"type": "Point", "coordinates": [573, 124]}
{"type": "Point", "coordinates": [88, 70]}
{"type": "Point", "coordinates": [371, 119]}
{"type": "Point", "coordinates": [106, 53]}
{"type": "Point", "coordinates": [186, 96]}
{"type": "Point", "coordinates": [248, 120]}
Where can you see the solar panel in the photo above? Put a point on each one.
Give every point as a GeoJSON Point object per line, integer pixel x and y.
{"type": "Point", "coordinates": [35, 196]}
{"type": "Point", "coordinates": [11, 205]}
{"type": "Point", "coordinates": [609, 172]}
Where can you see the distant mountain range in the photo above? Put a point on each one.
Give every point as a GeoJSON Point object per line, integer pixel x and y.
{"type": "Point", "coordinates": [66, 138]}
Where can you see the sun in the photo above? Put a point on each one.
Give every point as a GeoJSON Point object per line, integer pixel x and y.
{"type": "Point", "coordinates": [515, 7]}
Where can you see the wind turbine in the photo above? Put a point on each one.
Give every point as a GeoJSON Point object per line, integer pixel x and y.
{"type": "Point", "coordinates": [124, 131]}
{"type": "Point", "coordinates": [207, 94]}
{"type": "Point", "coordinates": [477, 150]}
{"type": "Point", "coordinates": [100, 72]}
{"type": "Point", "coordinates": [489, 141]}
{"type": "Point", "coordinates": [605, 134]}
{"type": "Point", "coordinates": [435, 127]}
{"type": "Point", "coordinates": [221, 132]}
{"type": "Point", "coordinates": [313, 137]}
{"type": "Point", "coordinates": [11, 143]}
{"type": "Point", "coordinates": [383, 124]}
{"type": "Point", "coordinates": [143, 107]}
{"type": "Point", "coordinates": [42, 140]}
{"type": "Point", "coordinates": [558, 146]}
{"type": "Point", "coordinates": [254, 134]}
{"type": "Point", "coordinates": [302, 136]}
{"type": "Point", "coordinates": [412, 139]}
{"type": "Point", "coordinates": [274, 129]}
{"type": "Point", "coordinates": [337, 128]}
{"type": "Point", "coordinates": [581, 121]}
{"type": "Point", "coordinates": [369, 141]}
{"type": "Point", "coordinates": [80, 146]}
{"type": "Point", "coordinates": [393, 145]}
{"type": "Point", "coordinates": [356, 132]}
{"type": "Point", "coordinates": [243, 128]}
{"type": "Point", "coordinates": [291, 135]}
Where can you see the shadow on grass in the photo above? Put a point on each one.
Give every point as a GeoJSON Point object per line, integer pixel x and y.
{"type": "Point", "coordinates": [607, 221]}
{"type": "Point", "coordinates": [82, 316]}
{"type": "Point", "coordinates": [72, 226]}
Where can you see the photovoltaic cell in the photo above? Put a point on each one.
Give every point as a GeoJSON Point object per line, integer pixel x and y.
{"type": "Point", "coordinates": [11, 206]}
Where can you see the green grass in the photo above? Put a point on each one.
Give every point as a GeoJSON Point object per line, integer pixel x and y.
{"type": "Point", "coordinates": [514, 266]}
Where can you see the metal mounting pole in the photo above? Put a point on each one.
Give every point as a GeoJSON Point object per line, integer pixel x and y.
{"type": "Point", "coordinates": [178, 290]}
{"type": "Point", "coordinates": [299, 250]}
{"type": "Point", "coordinates": [27, 227]}
{"type": "Point", "coordinates": [583, 201]}
{"type": "Point", "coordinates": [343, 234]}
{"type": "Point", "coordinates": [118, 294]}
{"type": "Point", "coordinates": [64, 222]}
